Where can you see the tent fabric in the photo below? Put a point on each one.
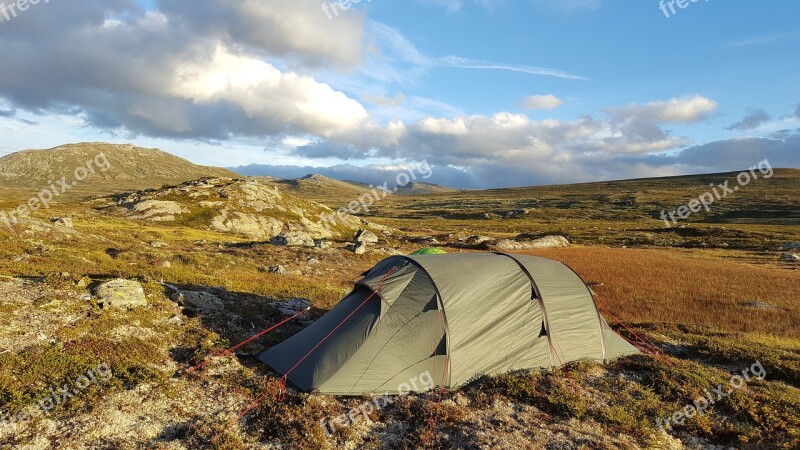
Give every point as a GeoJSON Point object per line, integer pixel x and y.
{"type": "Point", "coordinates": [430, 251]}
{"type": "Point", "coordinates": [454, 316]}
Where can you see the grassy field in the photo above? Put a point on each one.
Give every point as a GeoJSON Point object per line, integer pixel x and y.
{"type": "Point", "coordinates": [759, 216]}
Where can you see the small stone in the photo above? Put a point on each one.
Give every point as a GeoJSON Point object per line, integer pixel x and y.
{"type": "Point", "coordinates": [83, 283]}
{"type": "Point", "coordinates": [365, 236]}
{"type": "Point", "coordinates": [176, 318]}
{"type": "Point", "coordinates": [278, 270]}
{"type": "Point", "coordinates": [516, 213]}
{"type": "Point", "coordinates": [790, 257]}
{"type": "Point", "coordinates": [322, 243]}
{"type": "Point", "coordinates": [64, 222]}
{"type": "Point", "coordinates": [359, 248]}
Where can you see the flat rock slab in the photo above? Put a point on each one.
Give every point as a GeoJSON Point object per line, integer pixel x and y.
{"type": "Point", "coordinates": [119, 293]}
{"type": "Point", "coordinates": [763, 306]}
{"type": "Point", "coordinates": [198, 300]}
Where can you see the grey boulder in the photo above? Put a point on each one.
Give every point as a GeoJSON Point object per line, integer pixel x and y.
{"type": "Point", "coordinates": [119, 293]}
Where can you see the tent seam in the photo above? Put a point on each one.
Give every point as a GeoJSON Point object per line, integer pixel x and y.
{"type": "Point", "coordinates": [444, 315]}
{"type": "Point", "coordinates": [540, 300]}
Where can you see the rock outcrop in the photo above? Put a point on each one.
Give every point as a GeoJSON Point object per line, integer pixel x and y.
{"type": "Point", "coordinates": [365, 236]}
{"type": "Point", "coordinates": [544, 242]}
{"type": "Point", "coordinates": [246, 208]}
{"type": "Point", "coordinates": [198, 301]}
{"type": "Point", "coordinates": [294, 239]}
{"type": "Point", "coordinates": [119, 293]}
{"type": "Point", "coordinates": [157, 210]}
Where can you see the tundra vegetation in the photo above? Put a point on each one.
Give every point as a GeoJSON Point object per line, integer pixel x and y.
{"type": "Point", "coordinates": [713, 295]}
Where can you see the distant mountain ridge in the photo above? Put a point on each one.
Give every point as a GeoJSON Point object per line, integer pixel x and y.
{"type": "Point", "coordinates": [325, 189]}
{"type": "Point", "coordinates": [121, 167]}
{"type": "Point", "coordinates": [422, 188]}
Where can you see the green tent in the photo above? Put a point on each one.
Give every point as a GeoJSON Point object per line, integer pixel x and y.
{"type": "Point", "coordinates": [454, 316]}
{"type": "Point", "coordinates": [430, 251]}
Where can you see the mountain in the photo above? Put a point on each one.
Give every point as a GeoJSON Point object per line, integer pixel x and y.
{"type": "Point", "coordinates": [336, 193]}
{"type": "Point", "coordinates": [90, 169]}
{"type": "Point", "coordinates": [421, 188]}
{"type": "Point", "coordinates": [319, 187]}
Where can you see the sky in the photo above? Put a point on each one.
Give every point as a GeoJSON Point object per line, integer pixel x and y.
{"type": "Point", "coordinates": [489, 93]}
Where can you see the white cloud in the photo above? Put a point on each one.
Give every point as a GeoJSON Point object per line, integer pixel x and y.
{"type": "Point", "coordinates": [397, 47]}
{"type": "Point", "coordinates": [542, 102]}
{"type": "Point", "coordinates": [762, 40]}
{"type": "Point", "coordinates": [383, 100]}
{"type": "Point", "coordinates": [676, 110]}
{"type": "Point", "coordinates": [639, 128]}
{"type": "Point", "coordinates": [263, 93]}
{"type": "Point", "coordinates": [296, 28]}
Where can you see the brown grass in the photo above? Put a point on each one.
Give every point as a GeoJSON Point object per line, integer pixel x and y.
{"type": "Point", "coordinates": [687, 287]}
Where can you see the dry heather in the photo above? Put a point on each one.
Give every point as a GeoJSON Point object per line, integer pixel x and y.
{"type": "Point", "coordinates": [712, 288]}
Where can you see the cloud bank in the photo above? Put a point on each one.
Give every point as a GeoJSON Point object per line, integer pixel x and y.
{"type": "Point", "coordinates": [265, 71]}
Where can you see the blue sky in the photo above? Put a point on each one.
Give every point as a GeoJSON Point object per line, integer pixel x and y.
{"type": "Point", "coordinates": [489, 92]}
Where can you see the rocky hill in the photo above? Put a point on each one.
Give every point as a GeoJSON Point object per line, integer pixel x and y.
{"type": "Point", "coordinates": [317, 186]}
{"type": "Point", "coordinates": [247, 208]}
{"type": "Point", "coordinates": [96, 169]}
